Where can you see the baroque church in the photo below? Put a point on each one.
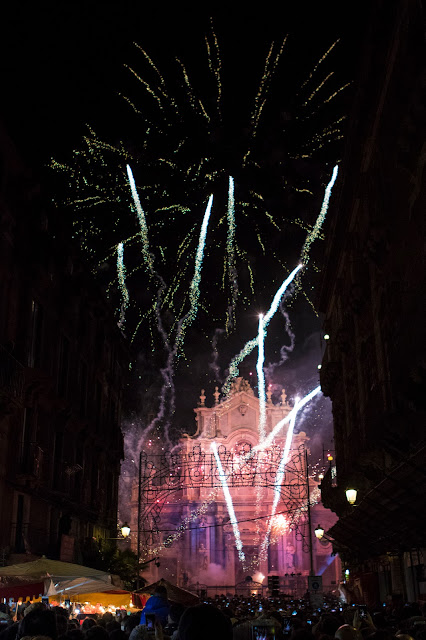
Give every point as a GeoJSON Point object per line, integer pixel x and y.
{"type": "Point", "coordinates": [224, 507]}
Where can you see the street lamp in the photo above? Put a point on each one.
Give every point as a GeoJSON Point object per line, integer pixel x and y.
{"type": "Point", "coordinates": [351, 495]}
{"type": "Point", "coordinates": [125, 530]}
{"type": "Point", "coordinates": [319, 532]}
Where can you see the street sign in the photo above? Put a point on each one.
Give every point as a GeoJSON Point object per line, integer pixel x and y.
{"type": "Point", "coordinates": [315, 583]}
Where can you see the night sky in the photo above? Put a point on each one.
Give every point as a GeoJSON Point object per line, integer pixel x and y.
{"type": "Point", "coordinates": [62, 67]}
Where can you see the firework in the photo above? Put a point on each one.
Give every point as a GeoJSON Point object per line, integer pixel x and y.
{"type": "Point", "coordinates": [316, 230]}
{"type": "Point", "coordinates": [178, 154]}
{"type": "Point", "coordinates": [251, 344]}
{"type": "Point", "coordinates": [230, 505]}
{"type": "Point", "coordinates": [261, 378]}
{"type": "Point", "coordinates": [121, 275]}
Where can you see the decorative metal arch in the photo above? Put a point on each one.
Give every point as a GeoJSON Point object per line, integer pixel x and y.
{"type": "Point", "coordinates": [163, 475]}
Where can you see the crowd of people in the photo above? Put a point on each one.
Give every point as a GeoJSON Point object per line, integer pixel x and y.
{"type": "Point", "coordinates": [220, 618]}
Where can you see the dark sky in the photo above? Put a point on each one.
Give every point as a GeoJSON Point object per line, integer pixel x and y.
{"type": "Point", "coordinates": [62, 63]}
{"type": "Point", "coordinates": [61, 66]}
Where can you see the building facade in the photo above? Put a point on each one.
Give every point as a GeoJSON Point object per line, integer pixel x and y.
{"type": "Point", "coordinates": [61, 375]}
{"type": "Point", "coordinates": [185, 514]}
{"type": "Point", "coordinates": [372, 291]}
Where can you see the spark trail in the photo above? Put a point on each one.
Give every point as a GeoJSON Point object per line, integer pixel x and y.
{"type": "Point", "coordinates": [270, 437]}
{"type": "Point", "coordinates": [230, 505]}
{"type": "Point", "coordinates": [194, 289]}
{"type": "Point", "coordinates": [316, 230]}
{"type": "Point", "coordinates": [121, 275]}
{"type": "Point", "coordinates": [251, 344]}
{"type": "Point", "coordinates": [261, 378]}
{"type": "Point", "coordinates": [167, 372]}
{"type": "Point", "coordinates": [142, 221]}
{"type": "Point", "coordinates": [230, 250]}
{"type": "Point", "coordinates": [280, 477]}
{"type": "Point", "coordinates": [285, 349]}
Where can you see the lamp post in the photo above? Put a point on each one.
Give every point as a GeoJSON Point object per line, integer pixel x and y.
{"type": "Point", "coordinates": [351, 495]}
{"type": "Point", "coordinates": [125, 532]}
{"type": "Point", "coordinates": [321, 537]}
{"type": "Point", "coordinates": [311, 554]}
{"type": "Point", "coordinates": [319, 532]}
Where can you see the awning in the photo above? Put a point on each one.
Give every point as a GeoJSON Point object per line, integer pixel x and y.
{"type": "Point", "coordinates": [116, 598]}
{"type": "Point", "coordinates": [44, 568]}
{"type": "Point", "coordinates": [174, 593]}
{"type": "Point", "coordinates": [54, 586]}
{"type": "Point", "coordinates": [26, 591]}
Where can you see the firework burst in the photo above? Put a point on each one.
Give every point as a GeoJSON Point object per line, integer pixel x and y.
{"type": "Point", "coordinates": [185, 146]}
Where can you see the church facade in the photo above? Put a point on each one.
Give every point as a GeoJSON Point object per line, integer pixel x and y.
{"type": "Point", "coordinates": [224, 506]}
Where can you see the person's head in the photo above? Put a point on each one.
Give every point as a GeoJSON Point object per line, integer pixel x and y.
{"type": "Point", "coordinates": [346, 632]}
{"type": "Point", "coordinates": [61, 624]}
{"type": "Point", "coordinates": [175, 613]}
{"type": "Point", "coordinates": [131, 622]}
{"type": "Point", "coordinates": [75, 634]}
{"type": "Point", "coordinates": [107, 617]}
{"type": "Point", "coordinates": [38, 622]}
{"type": "Point", "coordinates": [61, 611]}
{"type": "Point", "coordinates": [117, 634]}
{"type": "Point", "coordinates": [328, 624]}
{"type": "Point", "coordinates": [205, 621]}
{"type": "Point", "coordinates": [96, 633]}
{"type": "Point", "coordinates": [160, 592]}
{"type": "Point", "coordinates": [34, 606]}
{"type": "Point", "coordinates": [112, 626]}
{"type": "Point", "coordinates": [88, 623]}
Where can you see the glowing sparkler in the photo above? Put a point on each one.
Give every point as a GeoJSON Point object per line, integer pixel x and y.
{"type": "Point", "coordinates": [121, 274]}
{"type": "Point", "coordinates": [228, 498]}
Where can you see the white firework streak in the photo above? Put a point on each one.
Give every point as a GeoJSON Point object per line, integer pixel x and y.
{"type": "Point", "coordinates": [141, 219]}
{"type": "Point", "coordinates": [261, 378]}
{"type": "Point", "coordinates": [194, 288]}
{"type": "Point", "coordinates": [121, 275]}
{"type": "Point", "coordinates": [249, 346]}
{"type": "Point", "coordinates": [167, 372]}
{"type": "Point", "coordinates": [230, 248]}
{"type": "Point", "coordinates": [228, 498]}
{"type": "Point", "coordinates": [269, 438]}
{"type": "Point", "coordinates": [280, 476]}
{"type": "Point", "coordinates": [313, 234]}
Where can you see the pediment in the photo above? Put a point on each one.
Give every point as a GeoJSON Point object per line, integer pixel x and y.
{"type": "Point", "coordinates": [242, 397]}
